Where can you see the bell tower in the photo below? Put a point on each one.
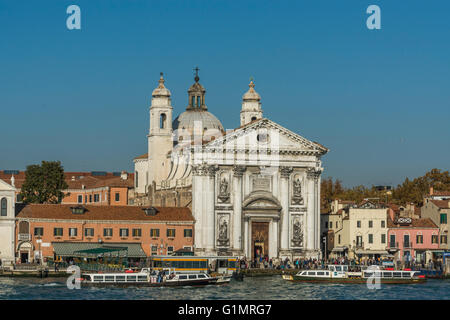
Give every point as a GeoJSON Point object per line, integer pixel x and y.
{"type": "Point", "coordinates": [251, 105]}
{"type": "Point", "coordinates": [160, 134]}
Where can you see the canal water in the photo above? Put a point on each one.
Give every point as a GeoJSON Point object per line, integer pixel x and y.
{"type": "Point", "coordinates": [264, 288]}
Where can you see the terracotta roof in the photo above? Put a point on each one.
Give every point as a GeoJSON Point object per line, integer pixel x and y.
{"type": "Point", "coordinates": [143, 156]}
{"type": "Point", "coordinates": [116, 182]}
{"type": "Point", "coordinates": [441, 193]}
{"type": "Point", "coordinates": [88, 182]}
{"type": "Point", "coordinates": [442, 204]}
{"type": "Point", "coordinates": [76, 179]}
{"type": "Point", "coordinates": [415, 223]}
{"type": "Point", "coordinates": [63, 212]}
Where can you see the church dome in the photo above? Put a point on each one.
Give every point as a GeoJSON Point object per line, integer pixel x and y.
{"type": "Point", "coordinates": [161, 90]}
{"type": "Point", "coordinates": [203, 119]}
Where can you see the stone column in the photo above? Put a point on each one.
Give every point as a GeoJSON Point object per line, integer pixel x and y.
{"type": "Point", "coordinates": [238, 172]}
{"type": "Point", "coordinates": [210, 213]}
{"type": "Point", "coordinates": [313, 213]}
{"type": "Point", "coordinates": [246, 238]}
{"type": "Point", "coordinates": [273, 237]}
{"type": "Point", "coordinates": [197, 207]}
{"type": "Point", "coordinates": [285, 173]}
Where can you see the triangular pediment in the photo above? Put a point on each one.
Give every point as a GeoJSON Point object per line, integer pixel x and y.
{"type": "Point", "coordinates": [267, 135]}
{"type": "Point", "coordinates": [4, 186]}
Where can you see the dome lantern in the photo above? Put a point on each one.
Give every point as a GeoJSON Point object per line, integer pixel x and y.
{"type": "Point", "coordinates": [196, 94]}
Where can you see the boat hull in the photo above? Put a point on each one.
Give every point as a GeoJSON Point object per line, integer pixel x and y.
{"type": "Point", "coordinates": [193, 283]}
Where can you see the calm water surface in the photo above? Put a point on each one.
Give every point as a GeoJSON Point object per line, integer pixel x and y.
{"type": "Point", "coordinates": [251, 288]}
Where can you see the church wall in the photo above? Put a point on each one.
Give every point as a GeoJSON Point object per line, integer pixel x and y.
{"type": "Point", "coordinates": [7, 225]}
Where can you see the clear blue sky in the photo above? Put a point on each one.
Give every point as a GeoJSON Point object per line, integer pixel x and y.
{"type": "Point", "coordinates": [378, 99]}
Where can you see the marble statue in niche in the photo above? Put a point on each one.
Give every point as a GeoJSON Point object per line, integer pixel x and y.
{"type": "Point", "coordinates": [223, 232]}
{"type": "Point", "coordinates": [297, 233]}
{"type": "Point", "coordinates": [224, 193]}
{"type": "Point", "coordinates": [297, 197]}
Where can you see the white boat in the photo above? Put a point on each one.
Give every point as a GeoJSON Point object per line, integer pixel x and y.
{"type": "Point", "coordinates": [344, 274]}
{"type": "Point", "coordinates": [146, 277]}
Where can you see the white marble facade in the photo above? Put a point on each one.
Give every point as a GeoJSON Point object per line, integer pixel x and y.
{"type": "Point", "coordinates": [253, 188]}
{"type": "Point", "coordinates": [236, 188]}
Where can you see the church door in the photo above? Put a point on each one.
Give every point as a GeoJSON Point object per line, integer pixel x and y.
{"type": "Point", "coordinates": [260, 240]}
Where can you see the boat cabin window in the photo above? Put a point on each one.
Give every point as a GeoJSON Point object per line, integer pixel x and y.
{"type": "Point", "coordinates": [98, 278]}
{"type": "Point", "coordinates": [142, 278]}
{"type": "Point", "coordinates": [331, 268]}
{"type": "Point", "coordinates": [338, 268]}
{"type": "Point", "coordinates": [387, 274]}
{"type": "Point", "coordinates": [192, 276]}
{"type": "Point", "coordinates": [406, 275]}
{"type": "Point", "coordinates": [182, 277]}
{"type": "Point", "coordinates": [120, 278]}
{"type": "Point", "coordinates": [327, 273]}
{"type": "Point", "coordinates": [320, 273]}
{"type": "Point", "coordinates": [109, 278]}
{"type": "Point", "coordinates": [397, 274]}
{"type": "Point", "coordinates": [201, 276]}
{"type": "Point", "coordinates": [345, 268]}
{"type": "Point", "coordinates": [131, 278]}
{"type": "Point", "coordinates": [311, 273]}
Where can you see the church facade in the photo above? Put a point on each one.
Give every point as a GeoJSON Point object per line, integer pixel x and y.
{"type": "Point", "coordinates": [254, 191]}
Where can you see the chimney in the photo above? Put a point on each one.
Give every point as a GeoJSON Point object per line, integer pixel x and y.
{"type": "Point", "coordinates": [124, 175]}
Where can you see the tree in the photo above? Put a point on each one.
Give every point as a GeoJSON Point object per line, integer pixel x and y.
{"type": "Point", "coordinates": [414, 191]}
{"type": "Point", "coordinates": [44, 183]}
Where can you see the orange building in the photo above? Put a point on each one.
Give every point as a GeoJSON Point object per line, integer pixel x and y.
{"type": "Point", "coordinates": [59, 230]}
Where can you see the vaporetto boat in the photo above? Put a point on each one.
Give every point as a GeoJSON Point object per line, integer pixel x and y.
{"type": "Point", "coordinates": [342, 274]}
{"type": "Point", "coordinates": [147, 278]}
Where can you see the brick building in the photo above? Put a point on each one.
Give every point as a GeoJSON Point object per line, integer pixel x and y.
{"type": "Point", "coordinates": [57, 230]}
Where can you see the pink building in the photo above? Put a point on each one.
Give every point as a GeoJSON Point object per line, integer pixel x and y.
{"type": "Point", "coordinates": [410, 238]}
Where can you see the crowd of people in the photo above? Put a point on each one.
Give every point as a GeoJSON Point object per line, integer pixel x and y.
{"type": "Point", "coordinates": [305, 264]}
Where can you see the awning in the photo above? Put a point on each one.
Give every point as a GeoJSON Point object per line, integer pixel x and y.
{"type": "Point", "coordinates": [86, 249]}
{"type": "Point", "coordinates": [380, 252]}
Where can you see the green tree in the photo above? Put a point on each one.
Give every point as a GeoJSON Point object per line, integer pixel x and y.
{"type": "Point", "coordinates": [44, 183]}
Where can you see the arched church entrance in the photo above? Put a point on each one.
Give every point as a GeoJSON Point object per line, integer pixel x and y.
{"type": "Point", "coordinates": [261, 230]}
